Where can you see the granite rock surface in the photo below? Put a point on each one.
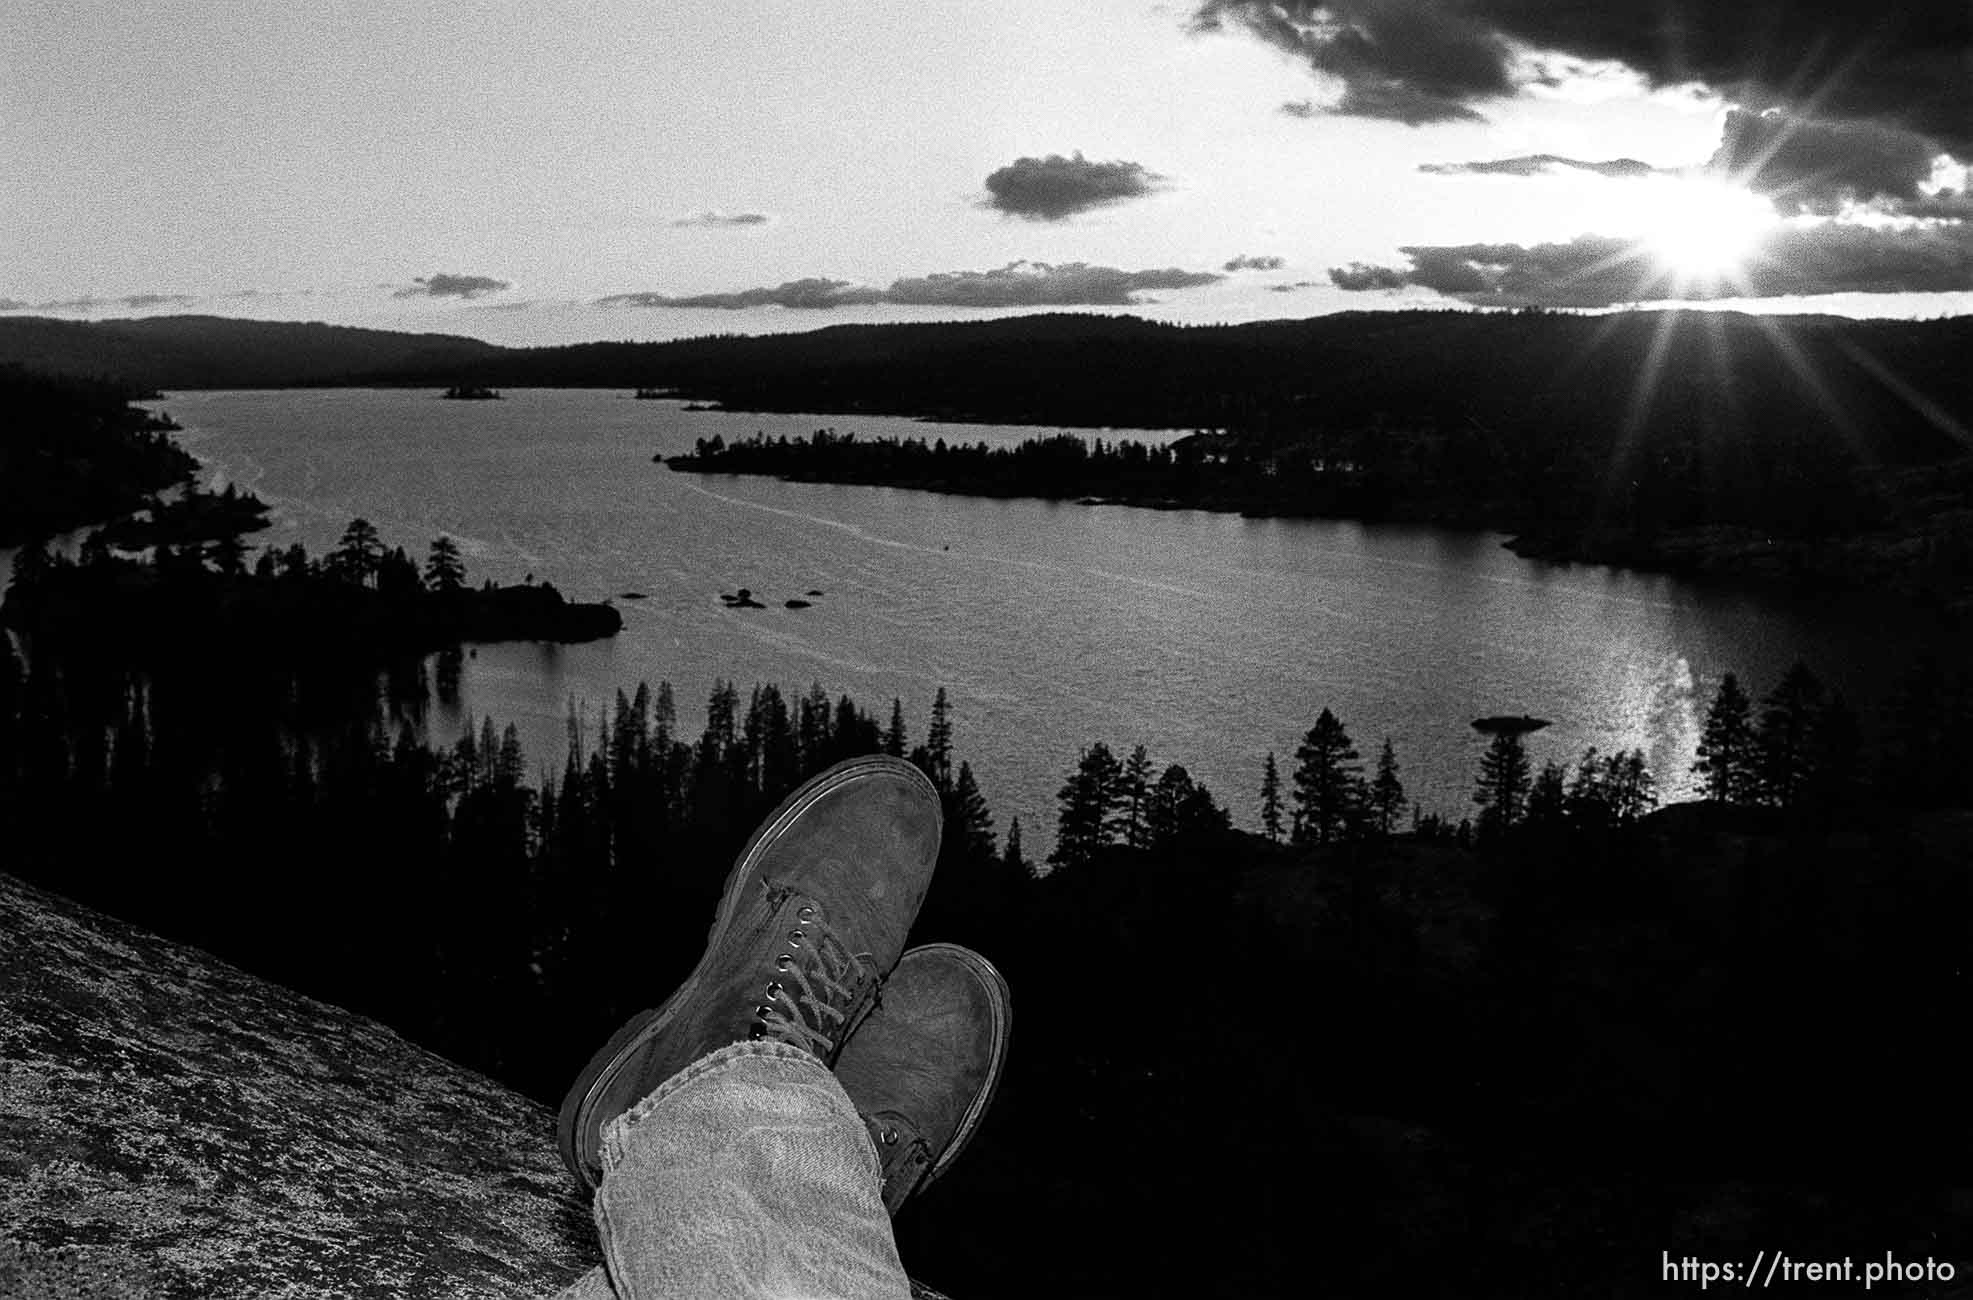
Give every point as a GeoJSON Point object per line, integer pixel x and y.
{"type": "Point", "coordinates": [172, 1126]}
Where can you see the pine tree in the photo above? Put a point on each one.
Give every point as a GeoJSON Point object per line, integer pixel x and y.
{"type": "Point", "coordinates": [358, 554]}
{"type": "Point", "coordinates": [1169, 799]}
{"type": "Point", "coordinates": [1271, 799]}
{"type": "Point", "coordinates": [1631, 791]}
{"type": "Point", "coordinates": [1787, 740]}
{"type": "Point", "coordinates": [938, 743]}
{"type": "Point", "coordinates": [1133, 794]}
{"type": "Point", "coordinates": [1729, 757]}
{"type": "Point", "coordinates": [1328, 781]}
{"type": "Point", "coordinates": [1502, 791]}
{"type": "Point", "coordinates": [1387, 799]}
{"type": "Point", "coordinates": [970, 820]}
{"type": "Point", "coordinates": [445, 570]}
{"type": "Point", "coordinates": [1548, 796]}
{"type": "Point", "coordinates": [1011, 857]}
{"type": "Point", "coordinates": [895, 740]}
{"type": "Point", "coordinates": [1086, 798]}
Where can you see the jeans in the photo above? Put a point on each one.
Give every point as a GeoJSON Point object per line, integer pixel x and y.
{"type": "Point", "coordinates": [748, 1175]}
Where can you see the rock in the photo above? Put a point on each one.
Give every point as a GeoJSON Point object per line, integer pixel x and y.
{"type": "Point", "coordinates": [164, 1111]}
{"type": "Point", "coordinates": [173, 1126]}
{"type": "Point", "coordinates": [814, 591]}
{"type": "Point", "coordinates": [743, 599]}
{"type": "Point", "coordinates": [797, 604]}
{"type": "Point", "coordinates": [630, 595]}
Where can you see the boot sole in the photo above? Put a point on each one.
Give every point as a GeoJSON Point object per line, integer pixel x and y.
{"type": "Point", "coordinates": [645, 1025]}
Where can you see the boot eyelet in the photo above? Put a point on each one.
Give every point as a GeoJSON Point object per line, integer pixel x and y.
{"type": "Point", "coordinates": [773, 990]}
{"type": "Point", "coordinates": [795, 938]}
{"type": "Point", "coordinates": [763, 1012]}
{"type": "Point", "coordinates": [806, 913]}
{"type": "Point", "coordinates": [890, 1137]}
{"type": "Point", "coordinates": [784, 961]}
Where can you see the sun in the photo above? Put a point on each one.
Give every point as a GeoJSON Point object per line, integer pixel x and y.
{"type": "Point", "coordinates": [1701, 233]}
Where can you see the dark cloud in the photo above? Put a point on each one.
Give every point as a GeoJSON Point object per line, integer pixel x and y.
{"type": "Point", "coordinates": [445, 285]}
{"type": "Point", "coordinates": [1295, 287]}
{"type": "Point", "coordinates": [1806, 165]}
{"type": "Point", "coordinates": [1359, 276]}
{"type": "Point", "coordinates": [1432, 60]}
{"type": "Point", "coordinates": [1607, 271]}
{"type": "Point", "coordinates": [1543, 164]}
{"type": "Point", "coordinates": [1018, 284]}
{"type": "Point", "coordinates": [723, 220]}
{"type": "Point", "coordinates": [140, 301]}
{"type": "Point", "coordinates": [14, 304]}
{"type": "Point", "coordinates": [1055, 188]}
{"type": "Point", "coordinates": [1266, 262]}
{"type": "Point", "coordinates": [1411, 61]}
{"type": "Point", "coordinates": [1302, 108]}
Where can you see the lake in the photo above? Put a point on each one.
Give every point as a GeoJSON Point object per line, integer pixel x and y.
{"type": "Point", "coordinates": [1209, 638]}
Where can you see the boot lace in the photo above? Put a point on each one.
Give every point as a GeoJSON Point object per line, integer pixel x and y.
{"type": "Point", "coordinates": [816, 980]}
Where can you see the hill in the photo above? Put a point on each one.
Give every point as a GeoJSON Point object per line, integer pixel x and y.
{"type": "Point", "coordinates": [218, 352]}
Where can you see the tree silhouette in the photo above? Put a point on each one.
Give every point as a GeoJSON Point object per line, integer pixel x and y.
{"type": "Point", "coordinates": [358, 553]}
{"type": "Point", "coordinates": [1548, 795]}
{"type": "Point", "coordinates": [1012, 858]}
{"type": "Point", "coordinates": [1271, 799]}
{"type": "Point", "coordinates": [1729, 757]}
{"type": "Point", "coordinates": [938, 744]}
{"type": "Point", "coordinates": [1087, 798]}
{"type": "Point", "coordinates": [970, 821]}
{"type": "Point", "coordinates": [896, 744]}
{"type": "Point", "coordinates": [1502, 790]}
{"type": "Point", "coordinates": [1386, 801]}
{"type": "Point", "coordinates": [1133, 800]}
{"type": "Point", "coordinates": [445, 570]}
{"type": "Point", "coordinates": [1328, 781]}
{"type": "Point", "coordinates": [1787, 739]}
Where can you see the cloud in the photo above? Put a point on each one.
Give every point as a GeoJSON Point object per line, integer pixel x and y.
{"type": "Point", "coordinates": [1410, 61]}
{"type": "Point", "coordinates": [443, 284]}
{"type": "Point", "coordinates": [1436, 60]}
{"type": "Point", "coordinates": [1543, 164]}
{"type": "Point", "coordinates": [1607, 271]}
{"type": "Point", "coordinates": [1302, 108]}
{"type": "Point", "coordinates": [133, 301]}
{"type": "Point", "coordinates": [1295, 287]}
{"type": "Point", "coordinates": [1266, 262]}
{"type": "Point", "coordinates": [1038, 284]}
{"type": "Point", "coordinates": [1806, 165]}
{"type": "Point", "coordinates": [1055, 188]}
{"type": "Point", "coordinates": [1359, 276]}
{"type": "Point", "coordinates": [722, 220]}
{"type": "Point", "coordinates": [1018, 284]}
{"type": "Point", "coordinates": [806, 295]}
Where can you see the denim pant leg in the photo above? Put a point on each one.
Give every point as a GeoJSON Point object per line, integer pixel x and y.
{"type": "Point", "coordinates": [745, 1176]}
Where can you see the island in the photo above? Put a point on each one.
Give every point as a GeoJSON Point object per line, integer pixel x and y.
{"type": "Point", "coordinates": [1504, 725]}
{"type": "Point", "coordinates": [471, 393]}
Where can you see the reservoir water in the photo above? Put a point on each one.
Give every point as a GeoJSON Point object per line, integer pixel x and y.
{"type": "Point", "coordinates": [1209, 638]}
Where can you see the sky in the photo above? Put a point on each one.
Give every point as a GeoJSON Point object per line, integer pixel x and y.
{"type": "Point", "coordinates": [550, 171]}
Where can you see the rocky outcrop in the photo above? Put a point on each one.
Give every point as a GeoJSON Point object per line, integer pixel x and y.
{"type": "Point", "coordinates": [172, 1126]}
